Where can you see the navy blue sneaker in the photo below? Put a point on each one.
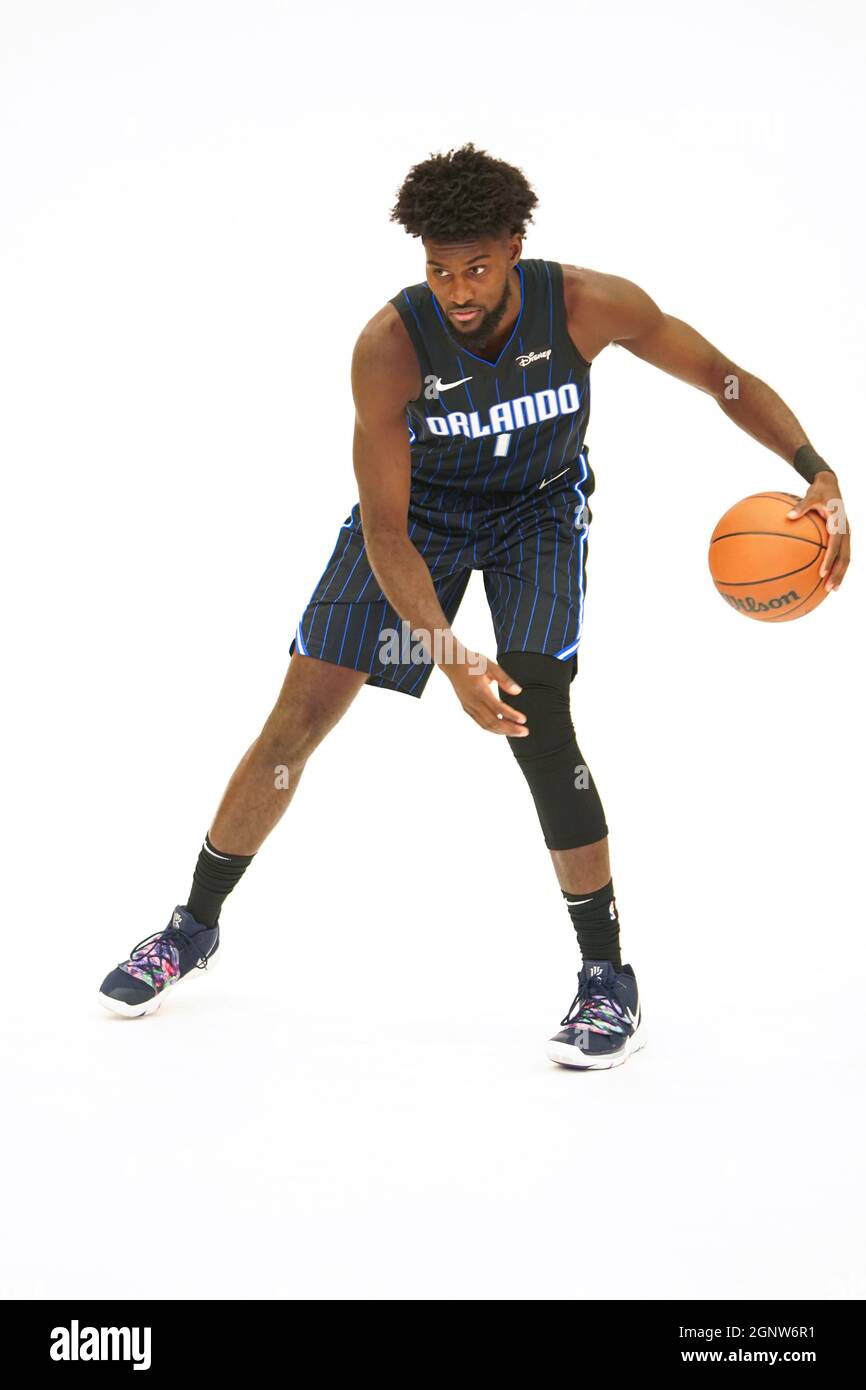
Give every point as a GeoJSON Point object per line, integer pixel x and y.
{"type": "Point", "coordinates": [603, 1027]}
{"type": "Point", "coordinates": [137, 985]}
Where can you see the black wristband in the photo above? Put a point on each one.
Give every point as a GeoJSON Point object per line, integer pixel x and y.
{"type": "Point", "coordinates": [808, 463]}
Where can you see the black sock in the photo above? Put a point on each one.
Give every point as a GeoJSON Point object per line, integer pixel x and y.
{"type": "Point", "coordinates": [215, 876]}
{"type": "Point", "coordinates": [596, 922]}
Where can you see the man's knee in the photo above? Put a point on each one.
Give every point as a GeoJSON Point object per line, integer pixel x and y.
{"type": "Point", "coordinates": [286, 742]}
{"type": "Point", "coordinates": [566, 797]}
{"type": "Point", "coordinates": [544, 699]}
{"type": "Point", "coordinates": [293, 730]}
{"type": "Point", "coordinates": [314, 697]}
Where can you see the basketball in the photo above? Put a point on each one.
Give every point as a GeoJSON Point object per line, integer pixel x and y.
{"type": "Point", "coordinates": [765, 565]}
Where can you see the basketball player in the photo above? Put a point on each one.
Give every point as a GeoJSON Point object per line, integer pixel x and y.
{"type": "Point", "coordinates": [472, 394]}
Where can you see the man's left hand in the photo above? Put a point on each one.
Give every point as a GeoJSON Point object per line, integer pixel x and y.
{"type": "Point", "coordinates": [824, 497]}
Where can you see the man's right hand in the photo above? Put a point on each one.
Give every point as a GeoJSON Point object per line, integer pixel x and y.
{"type": "Point", "coordinates": [472, 676]}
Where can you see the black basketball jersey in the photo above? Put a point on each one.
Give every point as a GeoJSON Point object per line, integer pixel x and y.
{"type": "Point", "coordinates": [494, 430]}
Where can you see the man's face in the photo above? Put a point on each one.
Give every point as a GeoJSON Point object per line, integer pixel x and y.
{"type": "Point", "coordinates": [472, 282]}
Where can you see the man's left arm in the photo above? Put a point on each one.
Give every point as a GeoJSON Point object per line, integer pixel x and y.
{"type": "Point", "coordinates": [623, 313]}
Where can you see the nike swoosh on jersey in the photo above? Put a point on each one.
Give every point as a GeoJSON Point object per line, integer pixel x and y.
{"type": "Point", "coordinates": [447, 385]}
{"type": "Point", "coordinates": [553, 479]}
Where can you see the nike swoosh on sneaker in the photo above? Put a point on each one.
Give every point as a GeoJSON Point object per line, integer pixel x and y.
{"type": "Point", "coordinates": [447, 385]}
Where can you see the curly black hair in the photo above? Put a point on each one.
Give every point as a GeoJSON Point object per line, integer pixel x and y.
{"type": "Point", "coordinates": [463, 195]}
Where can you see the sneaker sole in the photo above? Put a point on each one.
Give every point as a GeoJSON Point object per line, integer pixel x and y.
{"type": "Point", "coordinates": [564, 1054]}
{"type": "Point", "coordinates": [124, 1010]}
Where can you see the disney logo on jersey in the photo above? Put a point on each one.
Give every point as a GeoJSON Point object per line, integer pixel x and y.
{"type": "Point", "coordinates": [434, 386]}
{"type": "Point", "coordinates": [526, 357]}
{"type": "Point", "coordinates": [505, 416]}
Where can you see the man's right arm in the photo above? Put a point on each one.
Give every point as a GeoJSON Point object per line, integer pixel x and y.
{"type": "Point", "coordinates": [384, 379]}
{"type": "Point", "coordinates": [382, 383]}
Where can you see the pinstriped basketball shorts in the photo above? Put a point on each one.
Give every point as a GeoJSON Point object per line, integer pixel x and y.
{"type": "Point", "coordinates": [531, 550]}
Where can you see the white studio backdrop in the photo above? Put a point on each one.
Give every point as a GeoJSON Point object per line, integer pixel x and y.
{"type": "Point", "coordinates": [195, 202]}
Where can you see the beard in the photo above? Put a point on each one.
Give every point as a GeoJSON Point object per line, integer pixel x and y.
{"type": "Point", "coordinates": [479, 337]}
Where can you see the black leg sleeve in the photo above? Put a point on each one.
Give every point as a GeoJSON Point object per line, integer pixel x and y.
{"type": "Point", "coordinates": [566, 797]}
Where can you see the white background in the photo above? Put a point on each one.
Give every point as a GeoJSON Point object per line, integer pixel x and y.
{"type": "Point", "coordinates": [195, 201]}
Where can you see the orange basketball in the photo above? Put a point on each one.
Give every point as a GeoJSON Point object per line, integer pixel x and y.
{"type": "Point", "coordinates": [766, 566]}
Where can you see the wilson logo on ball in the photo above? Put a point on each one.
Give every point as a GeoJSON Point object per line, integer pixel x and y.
{"type": "Point", "coordinates": [750, 605]}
